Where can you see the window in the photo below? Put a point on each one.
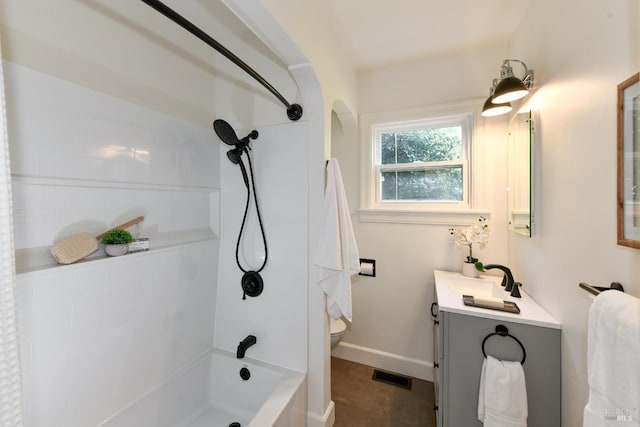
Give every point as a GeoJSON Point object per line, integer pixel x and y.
{"type": "Point", "coordinates": [416, 165]}
{"type": "Point", "coordinates": [423, 161]}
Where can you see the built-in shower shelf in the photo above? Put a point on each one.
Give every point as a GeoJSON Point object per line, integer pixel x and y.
{"type": "Point", "coordinates": [39, 259]}
{"type": "Point", "coordinates": [45, 210]}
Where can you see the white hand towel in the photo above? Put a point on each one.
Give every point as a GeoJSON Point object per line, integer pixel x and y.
{"type": "Point", "coordinates": [337, 251]}
{"type": "Point", "coordinates": [612, 361]}
{"type": "Point", "coordinates": [502, 398]}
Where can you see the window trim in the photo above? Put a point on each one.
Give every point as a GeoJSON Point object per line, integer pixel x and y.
{"type": "Point", "coordinates": [437, 212]}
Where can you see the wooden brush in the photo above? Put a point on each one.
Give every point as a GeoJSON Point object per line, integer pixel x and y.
{"type": "Point", "coordinates": [80, 245]}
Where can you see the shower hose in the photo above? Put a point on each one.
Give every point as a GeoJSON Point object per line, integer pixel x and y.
{"type": "Point", "coordinates": [251, 281]}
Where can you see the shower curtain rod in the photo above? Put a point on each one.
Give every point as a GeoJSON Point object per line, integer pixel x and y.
{"type": "Point", "coordinates": [294, 111]}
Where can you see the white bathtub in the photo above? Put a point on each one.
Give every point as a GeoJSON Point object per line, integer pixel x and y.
{"type": "Point", "coordinates": [210, 392]}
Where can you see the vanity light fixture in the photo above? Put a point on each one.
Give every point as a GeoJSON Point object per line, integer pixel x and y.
{"type": "Point", "coordinates": [489, 109]}
{"type": "Point", "coordinates": [511, 88]}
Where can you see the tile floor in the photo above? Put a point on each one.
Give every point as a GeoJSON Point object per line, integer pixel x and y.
{"type": "Point", "coordinates": [362, 402]}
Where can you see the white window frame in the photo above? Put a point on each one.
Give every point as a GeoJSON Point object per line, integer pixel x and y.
{"type": "Point", "coordinates": [372, 209]}
{"type": "Point", "coordinates": [464, 121]}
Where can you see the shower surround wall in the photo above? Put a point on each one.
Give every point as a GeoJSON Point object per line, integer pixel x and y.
{"type": "Point", "coordinates": [110, 329]}
{"type": "Point", "coordinates": [278, 317]}
{"type": "Point", "coordinates": [98, 334]}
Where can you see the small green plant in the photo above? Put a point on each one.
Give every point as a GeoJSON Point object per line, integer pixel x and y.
{"type": "Point", "coordinates": [117, 237]}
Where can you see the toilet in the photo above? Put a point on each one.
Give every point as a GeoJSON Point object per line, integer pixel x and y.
{"type": "Point", "coordinates": [337, 328]}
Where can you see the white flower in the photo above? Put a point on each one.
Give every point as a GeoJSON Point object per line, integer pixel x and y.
{"type": "Point", "coordinates": [477, 233]}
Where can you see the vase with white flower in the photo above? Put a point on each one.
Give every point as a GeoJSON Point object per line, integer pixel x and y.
{"type": "Point", "coordinates": [476, 233]}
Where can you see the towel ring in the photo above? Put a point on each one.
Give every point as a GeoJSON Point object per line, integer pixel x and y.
{"type": "Point", "coordinates": [504, 332]}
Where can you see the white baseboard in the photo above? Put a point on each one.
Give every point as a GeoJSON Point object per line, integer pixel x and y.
{"type": "Point", "coordinates": [326, 420]}
{"type": "Point", "coordinates": [387, 361]}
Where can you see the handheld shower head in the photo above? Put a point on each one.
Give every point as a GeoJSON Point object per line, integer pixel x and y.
{"type": "Point", "coordinates": [226, 133]}
{"type": "Point", "coordinates": [235, 156]}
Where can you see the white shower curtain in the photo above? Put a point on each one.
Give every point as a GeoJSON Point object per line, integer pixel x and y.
{"type": "Point", "coordinates": [10, 378]}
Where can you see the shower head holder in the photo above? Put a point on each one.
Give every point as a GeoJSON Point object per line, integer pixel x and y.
{"type": "Point", "coordinates": [252, 135]}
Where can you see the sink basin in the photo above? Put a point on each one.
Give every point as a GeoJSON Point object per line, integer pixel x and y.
{"type": "Point", "coordinates": [469, 286]}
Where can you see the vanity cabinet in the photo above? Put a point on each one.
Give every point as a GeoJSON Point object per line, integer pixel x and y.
{"type": "Point", "coordinates": [458, 336]}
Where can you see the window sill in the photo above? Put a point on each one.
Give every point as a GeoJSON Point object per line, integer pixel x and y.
{"type": "Point", "coordinates": [422, 216]}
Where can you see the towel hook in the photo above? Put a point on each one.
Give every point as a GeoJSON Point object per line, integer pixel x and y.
{"type": "Point", "coordinates": [504, 332]}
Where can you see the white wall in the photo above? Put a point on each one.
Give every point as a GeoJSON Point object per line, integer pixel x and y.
{"type": "Point", "coordinates": [307, 24]}
{"type": "Point", "coordinates": [110, 108]}
{"type": "Point", "coordinates": [278, 317]}
{"type": "Point", "coordinates": [108, 329]}
{"type": "Point", "coordinates": [327, 80]}
{"type": "Point", "coordinates": [392, 326]}
{"type": "Point", "coordinates": [580, 52]}
{"type": "Point", "coordinates": [114, 47]}
{"type": "Point", "coordinates": [130, 51]}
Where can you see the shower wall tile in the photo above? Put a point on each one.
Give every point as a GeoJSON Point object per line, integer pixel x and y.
{"type": "Point", "coordinates": [61, 133]}
{"type": "Point", "coordinates": [23, 160]}
{"type": "Point", "coordinates": [62, 130]}
{"type": "Point", "coordinates": [279, 318]}
{"type": "Point", "coordinates": [95, 337]}
{"type": "Point", "coordinates": [46, 211]}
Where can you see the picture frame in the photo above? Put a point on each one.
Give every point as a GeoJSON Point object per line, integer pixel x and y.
{"type": "Point", "coordinates": [628, 147]}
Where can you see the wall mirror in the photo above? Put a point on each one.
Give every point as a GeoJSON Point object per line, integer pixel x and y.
{"type": "Point", "coordinates": [628, 200]}
{"type": "Point", "coordinates": [520, 167]}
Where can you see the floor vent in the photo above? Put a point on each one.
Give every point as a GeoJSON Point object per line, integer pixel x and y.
{"type": "Point", "coordinates": [393, 379]}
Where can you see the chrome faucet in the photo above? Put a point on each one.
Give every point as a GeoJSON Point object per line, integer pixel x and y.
{"type": "Point", "coordinates": [507, 280]}
{"type": "Point", "coordinates": [244, 345]}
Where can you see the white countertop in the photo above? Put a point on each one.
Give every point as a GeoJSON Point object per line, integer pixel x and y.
{"type": "Point", "coordinates": [451, 286]}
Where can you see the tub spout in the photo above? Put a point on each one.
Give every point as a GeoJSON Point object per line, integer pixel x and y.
{"type": "Point", "coordinates": [244, 345]}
